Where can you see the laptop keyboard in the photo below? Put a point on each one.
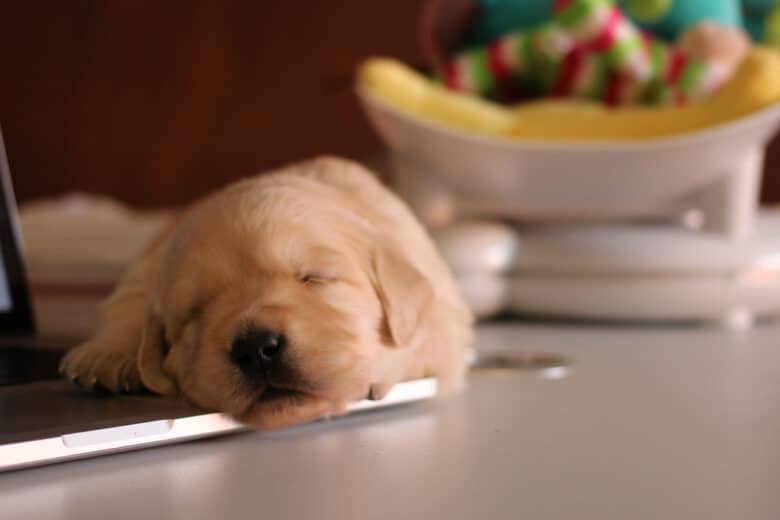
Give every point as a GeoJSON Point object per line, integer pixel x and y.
{"type": "Point", "coordinates": [23, 364]}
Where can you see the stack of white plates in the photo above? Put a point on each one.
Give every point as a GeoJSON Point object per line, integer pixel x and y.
{"type": "Point", "coordinates": [617, 272]}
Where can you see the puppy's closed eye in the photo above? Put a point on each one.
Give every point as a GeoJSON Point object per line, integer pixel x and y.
{"type": "Point", "coordinates": [317, 278]}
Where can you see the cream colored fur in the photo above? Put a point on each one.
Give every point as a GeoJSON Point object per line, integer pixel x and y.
{"type": "Point", "coordinates": [319, 251]}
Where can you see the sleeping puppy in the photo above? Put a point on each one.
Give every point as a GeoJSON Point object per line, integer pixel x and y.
{"type": "Point", "coordinates": [281, 299]}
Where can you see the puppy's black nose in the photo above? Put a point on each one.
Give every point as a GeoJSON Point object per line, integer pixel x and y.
{"type": "Point", "coordinates": [254, 352]}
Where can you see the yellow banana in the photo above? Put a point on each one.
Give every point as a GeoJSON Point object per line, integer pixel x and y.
{"type": "Point", "coordinates": [755, 85]}
{"type": "Point", "coordinates": [408, 91]}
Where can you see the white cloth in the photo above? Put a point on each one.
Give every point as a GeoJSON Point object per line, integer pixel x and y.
{"type": "Point", "coordinates": [81, 237]}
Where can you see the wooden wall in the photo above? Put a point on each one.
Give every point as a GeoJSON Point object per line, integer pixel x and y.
{"type": "Point", "coordinates": [159, 101]}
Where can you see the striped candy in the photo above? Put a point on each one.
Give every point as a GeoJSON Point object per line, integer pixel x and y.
{"type": "Point", "coordinates": [588, 50]}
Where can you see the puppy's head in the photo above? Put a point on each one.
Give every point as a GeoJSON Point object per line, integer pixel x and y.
{"type": "Point", "coordinates": [277, 287]}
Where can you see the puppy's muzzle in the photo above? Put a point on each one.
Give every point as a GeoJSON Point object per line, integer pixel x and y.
{"type": "Point", "coordinates": [257, 352]}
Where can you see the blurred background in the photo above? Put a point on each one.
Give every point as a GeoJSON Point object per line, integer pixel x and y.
{"type": "Point", "coordinates": [157, 103]}
{"type": "Point", "coordinates": [150, 105]}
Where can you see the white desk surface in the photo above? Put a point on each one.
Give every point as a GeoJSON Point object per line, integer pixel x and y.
{"type": "Point", "coordinates": [650, 424]}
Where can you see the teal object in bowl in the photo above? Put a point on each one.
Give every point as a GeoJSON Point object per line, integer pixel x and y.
{"type": "Point", "coordinates": [499, 17]}
{"type": "Point", "coordinates": [684, 13]}
{"type": "Point", "coordinates": [756, 13]}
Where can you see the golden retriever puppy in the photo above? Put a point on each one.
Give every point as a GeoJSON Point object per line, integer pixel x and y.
{"type": "Point", "coordinates": [281, 299]}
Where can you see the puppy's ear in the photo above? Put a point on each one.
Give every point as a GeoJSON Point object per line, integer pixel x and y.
{"type": "Point", "coordinates": [405, 294]}
{"type": "Point", "coordinates": [151, 356]}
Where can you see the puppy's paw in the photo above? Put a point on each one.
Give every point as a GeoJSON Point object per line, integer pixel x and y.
{"type": "Point", "coordinates": [95, 366]}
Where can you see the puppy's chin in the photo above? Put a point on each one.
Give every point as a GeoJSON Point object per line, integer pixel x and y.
{"type": "Point", "coordinates": [269, 406]}
{"type": "Point", "coordinates": [311, 378]}
{"type": "Point", "coordinates": [247, 402]}
{"type": "Point", "coordinates": [276, 398]}
{"type": "Point", "coordinates": [277, 408]}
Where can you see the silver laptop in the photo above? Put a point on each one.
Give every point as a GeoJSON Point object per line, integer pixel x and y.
{"type": "Point", "coordinates": [44, 419]}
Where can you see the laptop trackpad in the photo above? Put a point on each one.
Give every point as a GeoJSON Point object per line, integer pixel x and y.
{"type": "Point", "coordinates": [59, 408]}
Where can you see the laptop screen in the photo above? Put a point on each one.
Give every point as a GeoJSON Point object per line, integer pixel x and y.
{"type": "Point", "coordinates": [5, 292]}
{"type": "Point", "coordinates": [16, 316]}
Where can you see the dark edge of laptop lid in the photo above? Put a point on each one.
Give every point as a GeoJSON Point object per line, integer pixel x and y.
{"type": "Point", "coordinates": [18, 320]}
